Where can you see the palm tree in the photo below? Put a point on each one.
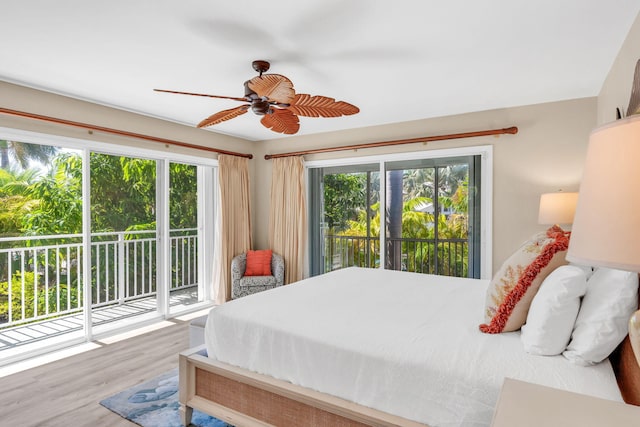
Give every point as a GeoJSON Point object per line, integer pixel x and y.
{"type": "Point", "coordinates": [394, 218]}
{"type": "Point", "coordinates": [23, 153]}
{"type": "Point", "coordinates": [14, 200]}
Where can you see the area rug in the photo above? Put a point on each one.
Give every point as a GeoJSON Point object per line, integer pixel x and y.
{"type": "Point", "coordinates": [155, 404]}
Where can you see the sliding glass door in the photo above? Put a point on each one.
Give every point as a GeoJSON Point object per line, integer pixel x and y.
{"type": "Point", "coordinates": [93, 241]}
{"type": "Point", "coordinates": [428, 211]}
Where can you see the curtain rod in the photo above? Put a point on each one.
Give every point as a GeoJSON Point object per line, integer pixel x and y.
{"type": "Point", "coordinates": [120, 132]}
{"type": "Point", "coordinates": [510, 130]}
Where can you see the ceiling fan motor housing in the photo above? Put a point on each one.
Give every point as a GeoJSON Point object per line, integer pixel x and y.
{"type": "Point", "coordinates": [260, 106]}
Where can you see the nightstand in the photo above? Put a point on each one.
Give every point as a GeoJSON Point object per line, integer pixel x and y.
{"type": "Point", "coordinates": [523, 404]}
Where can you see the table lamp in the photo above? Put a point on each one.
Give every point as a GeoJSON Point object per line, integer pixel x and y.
{"type": "Point", "coordinates": [557, 208]}
{"type": "Point", "coordinates": [606, 227]}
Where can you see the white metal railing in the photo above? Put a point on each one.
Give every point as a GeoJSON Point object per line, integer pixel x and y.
{"type": "Point", "coordinates": [41, 276]}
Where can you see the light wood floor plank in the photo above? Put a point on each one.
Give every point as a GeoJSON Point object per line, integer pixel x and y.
{"type": "Point", "coordinates": [66, 392]}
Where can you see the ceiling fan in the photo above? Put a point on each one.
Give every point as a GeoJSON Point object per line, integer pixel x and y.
{"type": "Point", "coordinates": [272, 96]}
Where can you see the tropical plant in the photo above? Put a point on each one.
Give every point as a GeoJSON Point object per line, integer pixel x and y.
{"type": "Point", "coordinates": [48, 301]}
{"type": "Point", "coordinates": [122, 192]}
{"type": "Point", "coordinates": [14, 199]}
{"type": "Point", "coordinates": [183, 196]}
{"type": "Point", "coordinates": [344, 196]}
{"type": "Point", "coordinates": [412, 223]}
{"type": "Point", "coordinates": [123, 196]}
{"type": "Point", "coordinates": [23, 153]}
{"type": "Point", "coordinates": [56, 199]}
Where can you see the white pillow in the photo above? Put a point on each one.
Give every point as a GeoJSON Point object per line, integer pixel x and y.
{"type": "Point", "coordinates": [553, 311]}
{"type": "Point", "coordinates": [611, 299]}
{"type": "Point", "coordinates": [587, 269]}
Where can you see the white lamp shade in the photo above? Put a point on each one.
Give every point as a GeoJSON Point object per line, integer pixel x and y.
{"type": "Point", "coordinates": [606, 228]}
{"type": "Point", "coordinates": [557, 208]}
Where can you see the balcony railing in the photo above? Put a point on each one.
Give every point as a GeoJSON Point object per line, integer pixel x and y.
{"type": "Point", "coordinates": [41, 277]}
{"type": "Point", "coordinates": [448, 257]}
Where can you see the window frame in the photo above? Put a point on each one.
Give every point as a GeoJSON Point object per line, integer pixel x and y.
{"type": "Point", "coordinates": [207, 174]}
{"type": "Point", "coordinates": [486, 190]}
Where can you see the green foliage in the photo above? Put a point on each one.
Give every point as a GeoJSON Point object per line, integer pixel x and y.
{"type": "Point", "coordinates": [14, 199]}
{"type": "Point", "coordinates": [56, 206]}
{"type": "Point", "coordinates": [419, 248]}
{"type": "Point", "coordinates": [57, 300]}
{"type": "Point", "coordinates": [344, 195]}
{"type": "Point", "coordinates": [183, 196]}
{"type": "Point", "coordinates": [123, 197]}
{"type": "Point", "coordinates": [122, 192]}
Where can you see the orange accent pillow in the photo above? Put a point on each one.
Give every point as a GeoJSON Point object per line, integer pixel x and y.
{"type": "Point", "coordinates": [513, 287]}
{"type": "Point", "coordinates": [258, 263]}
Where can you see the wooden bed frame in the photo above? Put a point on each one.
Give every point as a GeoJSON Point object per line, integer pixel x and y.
{"type": "Point", "coordinates": [244, 398]}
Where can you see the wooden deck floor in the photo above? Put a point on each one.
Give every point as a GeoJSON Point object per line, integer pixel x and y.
{"type": "Point", "coordinates": [66, 392]}
{"type": "Point", "coordinates": [40, 331]}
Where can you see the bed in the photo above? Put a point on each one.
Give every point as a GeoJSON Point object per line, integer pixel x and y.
{"type": "Point", "coordinates": [365, 347]}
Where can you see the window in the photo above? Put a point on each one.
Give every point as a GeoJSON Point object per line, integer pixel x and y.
{"type": "Point", "coordinates": [94, 239]}
{"type": "Point", "coordinates": [430, 211]}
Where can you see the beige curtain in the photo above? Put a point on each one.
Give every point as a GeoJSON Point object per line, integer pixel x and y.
{"type": "Point", "coordinates": [288, 215]}
{"type": "Point", "coordinates": [233, 235]}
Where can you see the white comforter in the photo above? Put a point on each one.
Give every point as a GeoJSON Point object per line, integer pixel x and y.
{"type": "Point", "coordinates": [404, 343]}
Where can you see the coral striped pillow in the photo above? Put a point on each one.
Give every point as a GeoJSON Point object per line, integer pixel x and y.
{"type": "Point", "coordinates": [258, 263]}
{"type": "Point", "coordinates": [513, 287]}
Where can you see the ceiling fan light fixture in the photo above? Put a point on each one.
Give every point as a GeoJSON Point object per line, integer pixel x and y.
{"type": "Point", "coordinates": [266, 91]}
{"type": "Point", "coordinates": [260, 107]}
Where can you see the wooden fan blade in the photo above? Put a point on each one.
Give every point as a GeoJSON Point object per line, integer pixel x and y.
{"type": "Point", "coordinates": [281, 121]}
{"type": "Point", "coordinates": [320, 106]}
{"type": "Point", "coordinates": [634, 101]}
{"type": "Point", "coordinates": [222, 116]}
{"type": "Point", "coordinates": [274, 86]}
{"type": "Point", "coordinates": [202, 94]}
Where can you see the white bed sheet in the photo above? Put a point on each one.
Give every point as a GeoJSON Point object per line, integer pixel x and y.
{"type": "Point", "coordinates": [404, 343]}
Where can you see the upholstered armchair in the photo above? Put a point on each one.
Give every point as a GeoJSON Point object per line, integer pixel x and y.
{"type": "Point", "coordinates": [242, 285]}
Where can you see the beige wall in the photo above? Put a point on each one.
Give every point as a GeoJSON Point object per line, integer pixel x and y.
{"type": "Point", "coordinates": [616, 89]}
{"type": "Point", "coordinates": [21, 98]}
{"type": "Point", "coordinates": [547, 154]}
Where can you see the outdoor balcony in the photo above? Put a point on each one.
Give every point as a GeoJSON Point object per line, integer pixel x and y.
{"type": "Point", "coordinates": [447, 257]}
{"type": "Point", "coordinates": [41, 282]}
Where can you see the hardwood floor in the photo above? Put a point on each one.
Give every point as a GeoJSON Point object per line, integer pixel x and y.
{"type": "Point", "coordinates": [66, 392]}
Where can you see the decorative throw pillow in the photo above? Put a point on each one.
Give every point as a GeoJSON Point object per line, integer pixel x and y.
{"type": "Point", "coordinates": [258, 263]}
{"type": "Point", "coordinates": [611, 299]}
{"type": "Point", "coordinates": [553, 311]}
{"type": "Point", "coordinates": [515, 284]}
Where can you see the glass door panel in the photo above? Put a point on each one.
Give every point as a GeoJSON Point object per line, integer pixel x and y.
{"type": "Point", "coordinates": [123, 238]}
{"type": "Point", "coordinates": [428, 216]}
{"type": "Point", "coordinates": [41, 295]}
{"type": "Point", "coordinates": [345, 218]}
{"type": "Point", "coordinates": [184, 236]}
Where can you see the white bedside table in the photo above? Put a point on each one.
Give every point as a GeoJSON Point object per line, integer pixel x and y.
{"type": "Point", "coordinates": [523, 404]}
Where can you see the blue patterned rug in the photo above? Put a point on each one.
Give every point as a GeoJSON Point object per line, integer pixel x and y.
{"type": "Point", "coordinates": [155, 404]}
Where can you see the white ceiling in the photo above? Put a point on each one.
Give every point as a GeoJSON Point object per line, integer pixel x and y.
{"type": "Point", "coordinates": [397, 61]}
